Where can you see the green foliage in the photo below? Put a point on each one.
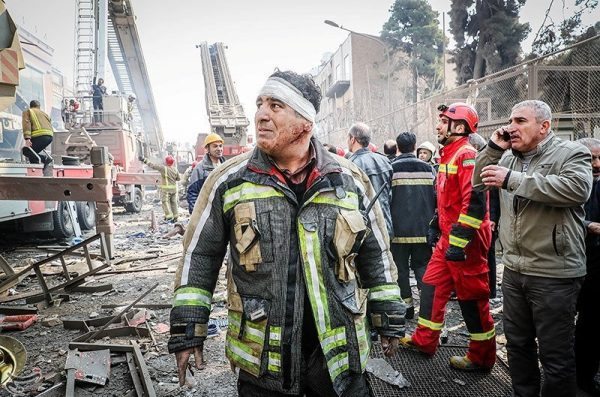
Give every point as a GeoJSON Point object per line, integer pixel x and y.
{"type": "Point", "coordinates": [488, 36]}
{"type": "Point", "coordinates": [413, 28]}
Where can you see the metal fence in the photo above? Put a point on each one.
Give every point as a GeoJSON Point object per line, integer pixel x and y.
{"type": "Point", "coordinates": [568, 80]}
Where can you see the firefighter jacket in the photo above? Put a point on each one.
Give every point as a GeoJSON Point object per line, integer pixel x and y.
{"type": "Point", "coordinates": [168, 176]}
{"type": "Point", "coordinates": [36, 123]}
{"type": "Point", "coordinates": [462, 211]}
{"type": "Point", "coordinates": [592, 241]}
{"type": "Point", "coordinates": [282, 250]}
{"type": "Point", "coordinates": [378, 169]}
{"type": "Point", "coordinates": [198, 177]}
{"type": "Point", "coordinates": [542, 227]}
{"type": "Point", "coordinates": [413, 199]}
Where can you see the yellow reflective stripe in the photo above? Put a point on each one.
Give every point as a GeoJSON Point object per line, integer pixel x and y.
{"type": "Point", "coordinates": [34, 120]}
{"type": "Point", "coordinates": [247, 191]}
{"type": "Point", "coordinates": [315, 284]}
{"type": "Point", "coordinates": [448, 168]}
{"type": "Point", "coordinates": [387, 292]}
{"type": "Point", "coordinates": [190, 296]}
{"type": "Point", "coordinates": [254, 332]}
{"type": "Point", "coordinates": [234, 322]}
{"type": "Point", "coordinates": [364, 342]}
{"type": "Point", "coordinates": [166, 180]}
{"type": "Point", "coordinates": [274, 362]}
{"type": "Point", "coordinates": [274, 336]}
{"type": "Point", "coordinates": [484, 336]}
{"type": "Point", "coordinates": [469, 220]}
{"type": "Point", "coordinates": [409, 240]}
{"type": "Point", "coordinates": [40, 132]}
{"type": "Point", "coordinates": [338, 364]}
{"type": "Point", "coordinates": [430, 324]}
{"type": "Point", "coordinates": [332, 339]}
{"type": "Point", "coordinates": [350, 202]}
{"type": "Point", "coordinates": [242, 356]}
{"type": "Point", "coordinates": [423, 181]}
{"type": "Point", "coordinates": [458, 242]}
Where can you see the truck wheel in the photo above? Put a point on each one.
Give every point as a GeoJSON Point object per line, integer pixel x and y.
{"type": "Point", "coordinates": [138, 200]}
{"type": "Point", "coordinates": [86, 213]}
{"type": "Point", "coordinates": [63, 226]}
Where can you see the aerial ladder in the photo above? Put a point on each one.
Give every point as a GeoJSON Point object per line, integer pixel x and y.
{"type": "Point", "coordinates": [225, 113]}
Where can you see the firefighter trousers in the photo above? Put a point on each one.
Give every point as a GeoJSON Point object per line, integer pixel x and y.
{"type": "Point", "coordinates": [470, 281]}
{"type": "Point", "coordinates": [170, 205]}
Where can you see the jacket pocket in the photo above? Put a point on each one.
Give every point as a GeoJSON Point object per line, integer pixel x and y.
{"type": "Point", "coordinates": [247, 236]}
{"type": "Point", "coordinates": [246, 335]}
{"type": "Point", "coordinates": [471, 280]}
{"type": "Point", "coordinates": [350, 230]}
{"type": "Point", "coordinates": [558, 240]}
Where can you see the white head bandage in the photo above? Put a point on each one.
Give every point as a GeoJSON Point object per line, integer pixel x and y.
{"type": "Point", "coordinates": [279, 89]}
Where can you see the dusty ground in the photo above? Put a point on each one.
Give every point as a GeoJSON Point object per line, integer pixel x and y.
{"type": "Point", "coordinates": [47, 346]}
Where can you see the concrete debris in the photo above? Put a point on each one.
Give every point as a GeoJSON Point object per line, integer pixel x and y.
{"type": "Point", "coordinates": [384, 371]}
{"type": "Point", "coordinates": [51, 321]}
{"type": "Point", "coordinates": [459, 382]}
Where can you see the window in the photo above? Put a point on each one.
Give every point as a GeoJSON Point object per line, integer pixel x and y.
{"type": "Point", "coordinates": [347, 70]}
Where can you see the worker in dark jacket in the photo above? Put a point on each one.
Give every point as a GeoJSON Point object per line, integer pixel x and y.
{"type": "Point", "coordinates": [412, 208]}
{"type": "Point", "coordinates": [294, 217]}
{"type": "Point", "coordinates": [375, 165]}
{"type": "Point", "coordinates": [587, 343]}
{"type": "Point", "coordinates": [213, 144]}
{"type": "Point", "coordinates": [38, 133]}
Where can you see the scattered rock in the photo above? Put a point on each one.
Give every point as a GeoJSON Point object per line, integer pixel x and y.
{"type": "Point", "coordinates": [51, 321]}
{"type": "Point", "coordinates": [459, 382]}
{"type": "Point", "coordinates": [94, 314]}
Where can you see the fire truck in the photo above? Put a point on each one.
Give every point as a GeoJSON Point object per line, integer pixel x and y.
{"type": "Point", "coordinates": [225, 113]}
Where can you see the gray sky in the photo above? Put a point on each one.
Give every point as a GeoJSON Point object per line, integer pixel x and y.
{"type": "Point", "coordinates": [260, 36]}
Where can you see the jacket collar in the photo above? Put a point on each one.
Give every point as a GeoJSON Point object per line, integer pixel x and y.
{"type": "Point", "coordinates": [451, 148]}
{"type": "Point", "coordinates": [406, 155]}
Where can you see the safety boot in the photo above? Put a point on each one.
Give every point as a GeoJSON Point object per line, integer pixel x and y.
{"type": "Point", "coordinates": [464, 364]}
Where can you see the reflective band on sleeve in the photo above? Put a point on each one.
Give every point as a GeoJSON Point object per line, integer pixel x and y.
{"type": "Point", "coordinates": [190, 296]}
{"type": "Point", "coordinates": [458, 242]}
{"type": "Point", "coordinates": [387, 292]}
{"type": "Point", "coordinates": [350, 202]}
{"type": "Point", "coordinates": [364, 345]}
{"type": "Point", "coordinates": [332, 339]}
{"type": "Point", "coordinates": [409, 240]}
{"type": "Point", "coordinates": [468, 163]}
{"type": "Point", "coordinates": [338, 364]}
{"type": "Point", "coordinates": [274, 362]}
{"type": "Point", "coordinates": [247, 191]}
{"type": "Point", "coordinates": [274, 336]}
{"type": "Point", "coordinates": [242, 356]}
{"type": "Point", "coordinates": [469, 220]}
{"type": "Point", "coordinates": [403, 182]}
{"type": "Point", "coordinates": [430, 324]}
{"type": "Point", "coordinates": [484, 336]}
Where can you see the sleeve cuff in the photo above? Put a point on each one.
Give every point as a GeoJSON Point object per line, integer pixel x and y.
{"type": "Point", "coordinates": [492, 145]}
{"type": "Point", "coordinates": [513, 181]}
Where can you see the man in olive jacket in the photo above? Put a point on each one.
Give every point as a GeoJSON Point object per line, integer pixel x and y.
{"type": "Point", "coordinates": [544, 182]}
{"type": "Point", "coordinates": [305, 257]}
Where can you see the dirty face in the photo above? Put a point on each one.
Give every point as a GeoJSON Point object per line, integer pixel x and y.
{"type": "Point", "coordinates": [525, 131]}
{"type": "Point", "coordinates": [278, 127]}
{"type": "Point", "coordinates": [215, 150]}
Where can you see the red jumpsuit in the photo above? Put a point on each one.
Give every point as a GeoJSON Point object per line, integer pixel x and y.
{"type": "Point", "coordinates": [464, 222]}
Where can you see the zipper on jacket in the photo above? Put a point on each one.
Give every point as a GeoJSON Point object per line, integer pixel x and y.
{"type": "Point", "coordinates": [290, 298]}
{"type": "Point", "coordinates": [554, 241]}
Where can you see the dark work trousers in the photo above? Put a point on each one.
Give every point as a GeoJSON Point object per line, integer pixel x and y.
{"type": "Point", "coordinates": [542, 308]}
{"type": "Point", "coordinates": [492, 265]}
{"type": "Point", "coordinates": [38, 144]}
{"type": "Point", "coordinates": [98, 109]}
{"type": "Point", "coordinates": [587, 342]}
{"type": "Point", "coordinates": [410, 256]}
{"type": "Point", "coordinates": [315, 380]}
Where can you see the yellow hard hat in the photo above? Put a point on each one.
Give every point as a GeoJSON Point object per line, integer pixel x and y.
{"type": "Point", "coordinates": [212, 138]}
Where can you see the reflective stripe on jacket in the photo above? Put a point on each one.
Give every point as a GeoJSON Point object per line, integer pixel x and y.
{"type": "Point", "coordinates": [281, 250]}
{"type": "Point", "coordinates": [36, 123]}
{"type": "Point", "coordinates": [168, 176]}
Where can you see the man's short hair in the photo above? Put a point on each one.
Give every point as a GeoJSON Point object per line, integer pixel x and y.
{"type": "Point", "coordinates": [389, 147]}
{"type": "Point", "coordinates": [361, 132]}
{"type": "Point", "coordinates": [304, 83]}
{"type": "Point", "coordinates": [34, 104]}
{"type": "Point", "coordinates": [541, 109]}
{"type": "Point", "coordinates": [406, 142]}
{"type": "Point", "coordinates": [590, 143]}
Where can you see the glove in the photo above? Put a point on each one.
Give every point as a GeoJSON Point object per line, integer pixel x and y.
{"type": "Point", "coordinates": [433, 235]}
{"type": "Point", "coordinates": [455, 254]}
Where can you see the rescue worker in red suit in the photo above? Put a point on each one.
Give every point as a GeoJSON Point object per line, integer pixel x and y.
{"type": "Point", "coordinates": [459, 260]}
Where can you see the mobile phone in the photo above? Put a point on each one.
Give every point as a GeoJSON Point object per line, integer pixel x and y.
{"type": "Point", "coordinates": [505, 135]}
